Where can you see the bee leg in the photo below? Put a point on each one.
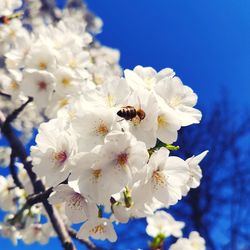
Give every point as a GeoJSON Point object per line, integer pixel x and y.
{"type": "Point", "coordinates": [121, 120]}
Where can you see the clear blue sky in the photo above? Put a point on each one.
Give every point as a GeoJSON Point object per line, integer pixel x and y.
{"type": "Point", "coordinates": [207, 42]}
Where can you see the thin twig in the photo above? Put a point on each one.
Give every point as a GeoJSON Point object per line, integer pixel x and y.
{"type": "Point", "coordinates": [5, 95]}
{"type": "Point", "coordinates": [40, 197]}
{"type": "Point", "coordinates": [10, 118]}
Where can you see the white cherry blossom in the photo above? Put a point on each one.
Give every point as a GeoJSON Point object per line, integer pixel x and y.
{"type": "Point", "coordinates": [166, 177]}
{"type": "Point", "coordinates": [92, 124]}
{"type": "Point", "coordinates": [53, 156]}
{"type": "Point", "coordinates": [98, 228]}
{"type": "Point", "coordinates": [180, 98]}
{"type": "Point", "coordinates": [38, 84]}
{"type": "Point", "coordinates": [163, 223]}
{"type": "Point", "coordinates": [144, 130]}
{"type": "Point", "coordinates": [146, 77]}
{"type": "Point", "coordinates": [8, 6]}
{"type": "Point", "coordinates": [195, 172]}
{"type": "Point", "coordinates": [77, 207]}
{"type": "Point", "coordinates": [41, 57]}
{"type": "Point", "coordinates": [194, 242]}
{"type": "Point", "coordinates": [37, 233]}
{"type": "Point", "coordinates": [8, 193]}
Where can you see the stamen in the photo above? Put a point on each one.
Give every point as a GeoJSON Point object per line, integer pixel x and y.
{"type": "Point", "coordinates": [122, 159]}
{"type": "Point", "coordinates": [43, 66]}
{"type": "Point", "coordinates": [60, 157]}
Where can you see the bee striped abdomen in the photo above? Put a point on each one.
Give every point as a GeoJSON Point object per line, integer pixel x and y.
{"type": "Point", "coordinates": [128, 112]}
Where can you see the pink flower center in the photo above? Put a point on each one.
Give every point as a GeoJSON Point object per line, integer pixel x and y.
{"type": "Point", "coordinates": [37, 228]}
{"type": "Point", "coordinates": [42, 85]}
{"type": "Point", "coordinates": [61, 157]}
{"type": "Point", "coordinates": [122, 159]}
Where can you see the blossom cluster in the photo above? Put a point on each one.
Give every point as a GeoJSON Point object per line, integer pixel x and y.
{"type": "Point", "coordinates": [105, 135]}
{"type": "Point", "coordinates": [162, 225]}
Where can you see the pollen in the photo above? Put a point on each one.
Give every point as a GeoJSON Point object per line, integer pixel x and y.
{"type": "Point", "coordinates": [97, 173]}
{"type": "Point", "coordinates": [42, 85]}
{"type": "Point", "coordinates": [76, 201]}
{"type": "Point", "coordinates": [60, 157]}
{"type": "Point", "coordinates": [122, 159]}
{"type": "Point", "coordinates": [136, 120]}
{"type": "Point", "coordinates": [66, 81]}
{"type": "Point", "coordinates": [102, 129]}
{"type": "Point", "coordinates": [14, 85]}
{"type": "Point", "coordinates": [162, 122]}
{"type": "Point", "coordinates": [158, 179]}
{"type": "Point", "coordinates": [62, 103]}
{"type": "Point", "coordinates": [98, 229]}
{"type": "Point", "coordinates": [43, 66]}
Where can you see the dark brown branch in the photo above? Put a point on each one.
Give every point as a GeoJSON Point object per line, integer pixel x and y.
{"type": "Point", "coordinates": [19, 150]}
{"type": "Point", "coordinates": [37, 198]}
{"type": "Point", "coordinates": [13, 171]}
{"type": "Point", "coordinates": [5, 95]}
{"type": "Point", "coordinates": [10, 118]}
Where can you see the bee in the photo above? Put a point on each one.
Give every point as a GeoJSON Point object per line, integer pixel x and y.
{"type": "Point", "coordinates": [6, 19]}
{"type": "Point", "coordinates": [129, 113]}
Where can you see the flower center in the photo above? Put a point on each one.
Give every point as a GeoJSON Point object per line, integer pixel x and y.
{"type": "Point", "coordinates": [42, 66]}
{"type": "Point", "coordinates": [60, 157]}
{"type": "Point", "coordinates": [97, 173]}
{"type": "Point", "coordinates": [37, 228]}
{"type": "Point", "coordinates": [162, 122]}
{"type": "Point", "coordinates": [66, 81]}
{"type": "Point", "coordinates": [14, 85]}
{"type": "Point", "coordinates": [122, 159]}
{"type": "Point", "coordinates": [98, 229]}
{"type": "Point", "coordinates": [42, 85]}
{"type": "Point", "coordinates": [76, 201]}
{"type": "Point", "coordinates": [158, 179]}
{"type": "Point", "coordinates": [102, 129]}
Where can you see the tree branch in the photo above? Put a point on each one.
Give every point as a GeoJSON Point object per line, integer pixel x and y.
{"type": "Point", "coordinates": [10, 118]}
{"type": "Point", "coordinates": [40, 197]}
{"type": "Point", "coordinates": [19, 150]}
{"type": "Point", "coordinates": [13, 172]}
{"type": "Point", "coordinates": [5, 95]}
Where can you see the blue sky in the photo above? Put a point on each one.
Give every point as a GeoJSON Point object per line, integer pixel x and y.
{"type": "Point", "coordinates": [207, 43]}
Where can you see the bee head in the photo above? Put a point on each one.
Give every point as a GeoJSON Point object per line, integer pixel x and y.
{"type": "Point", "coordinates": [141, 114]}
